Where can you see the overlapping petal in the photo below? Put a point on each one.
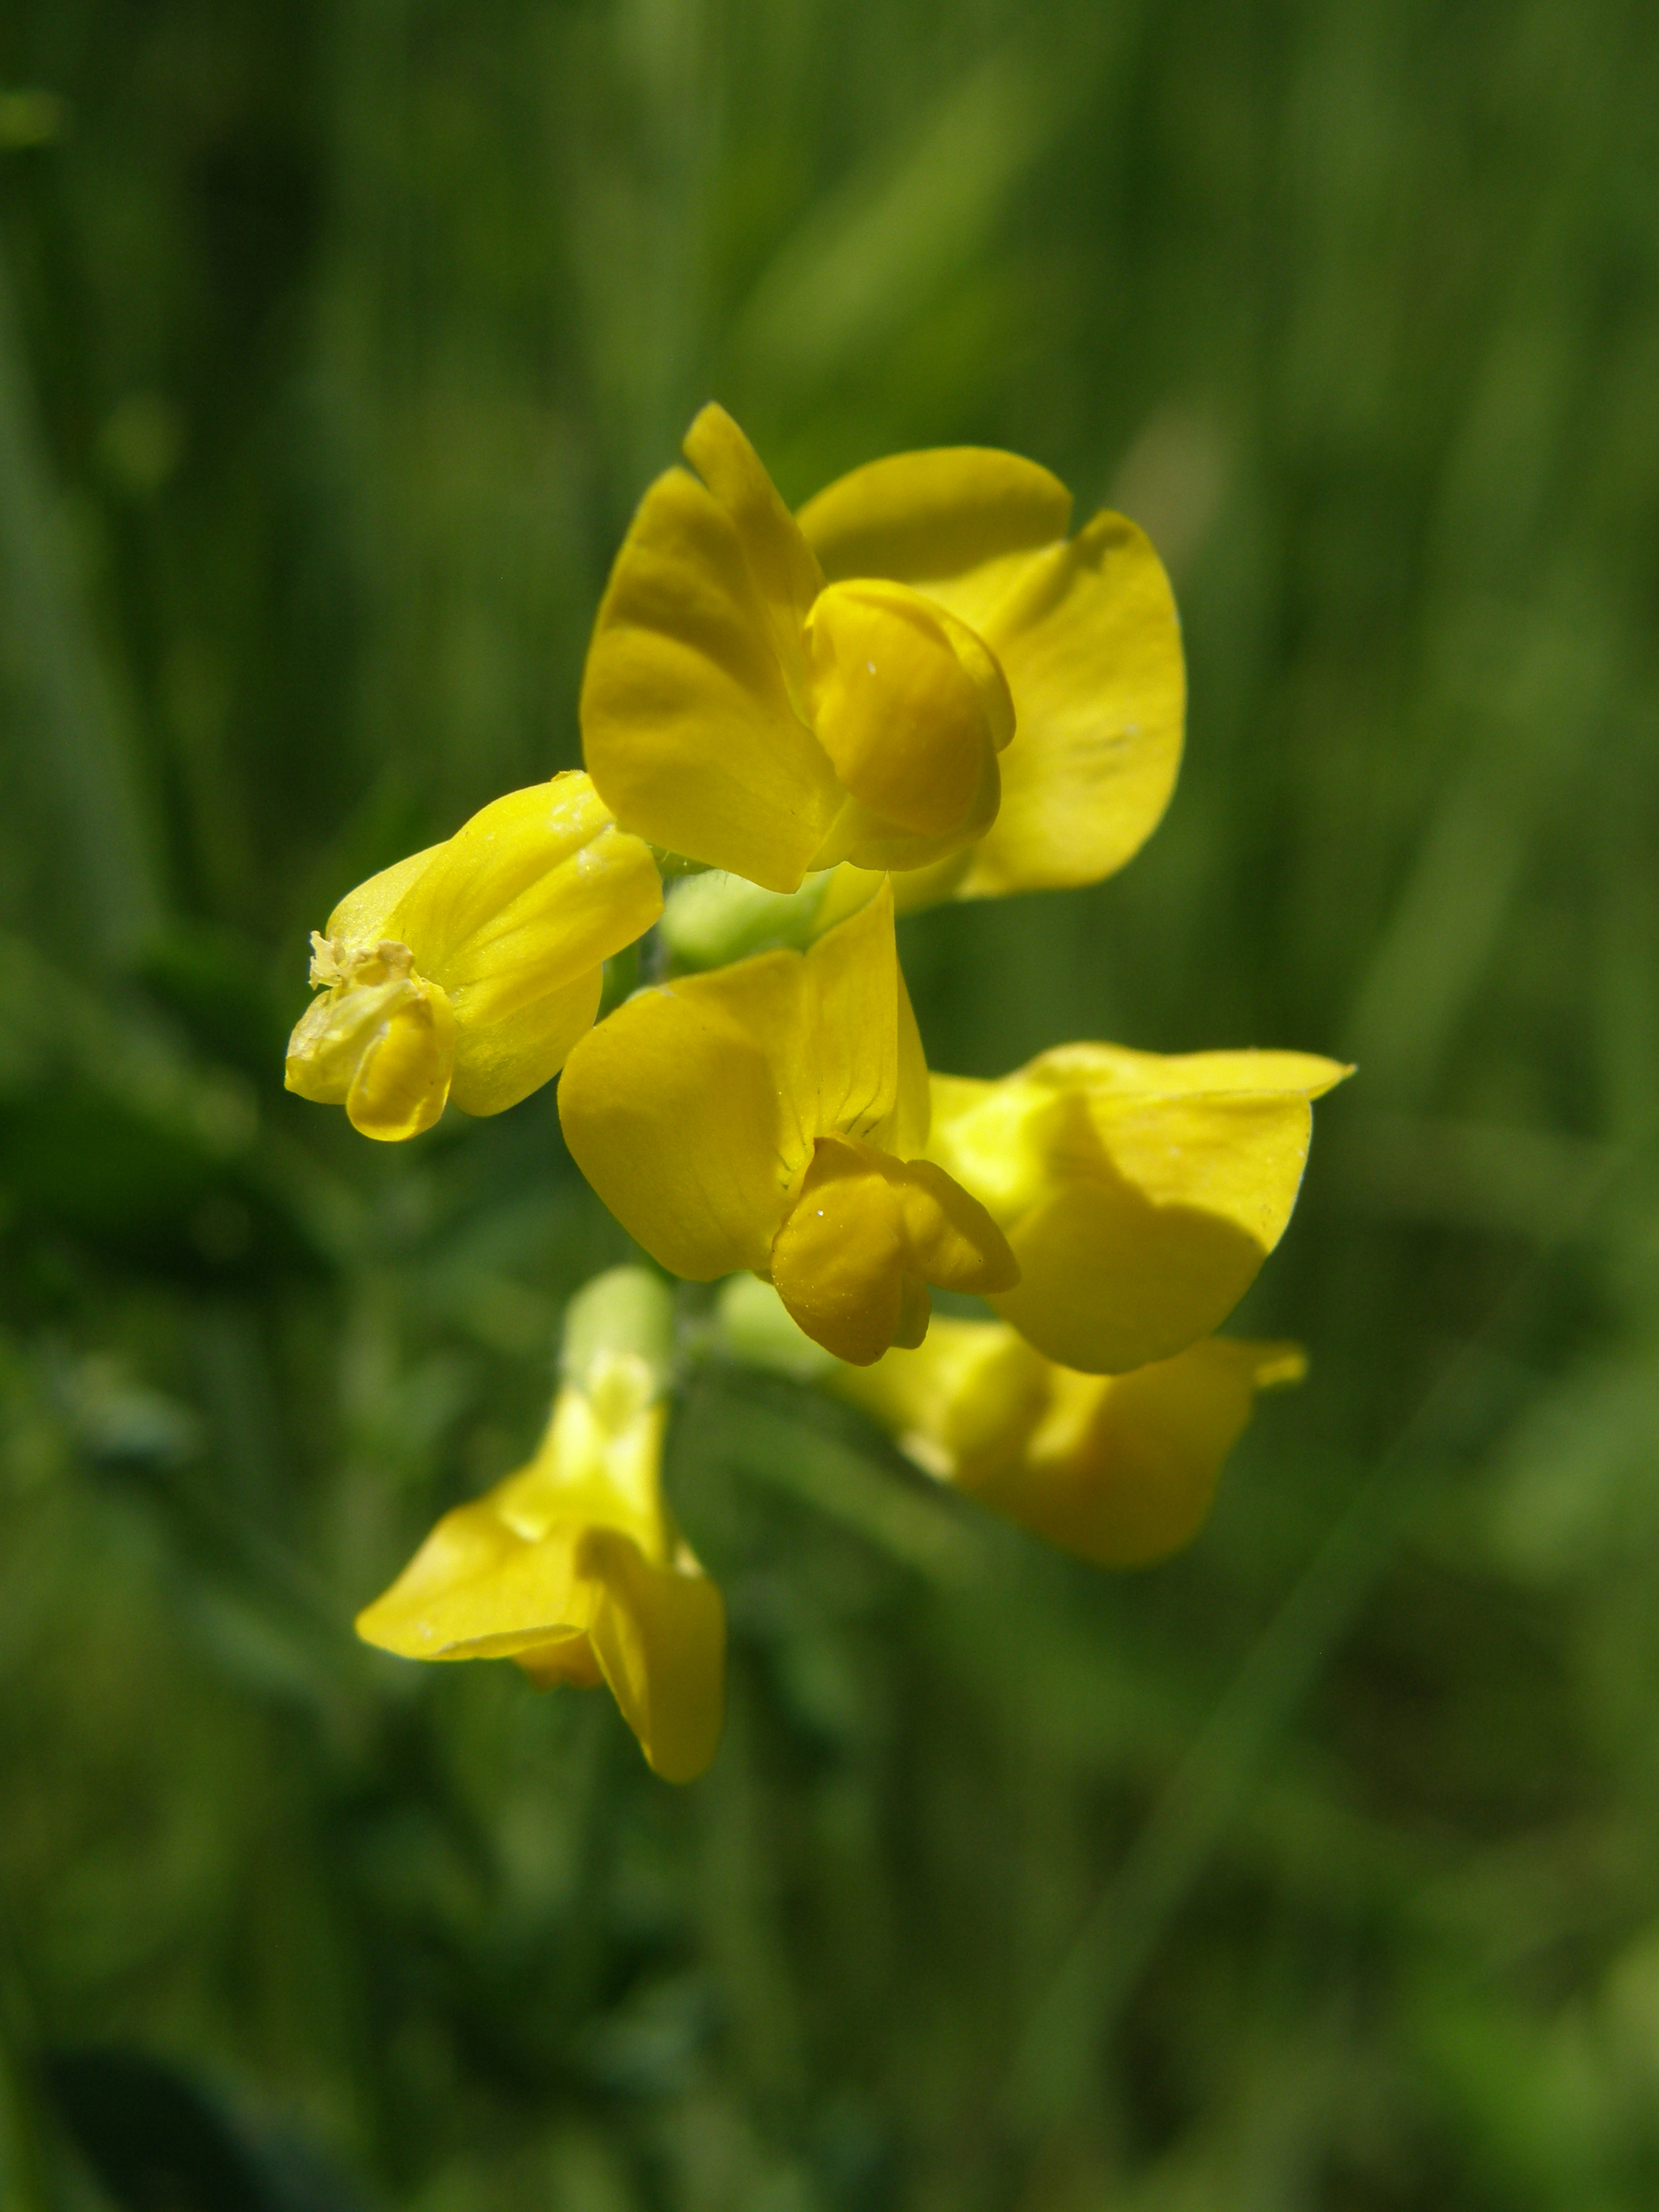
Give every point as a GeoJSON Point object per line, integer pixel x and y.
{"type": "Point", "coordinates": [468, 971]}
{"type": "Point", "coordinates": [572, 1567]}
{"type": "Point", "coordinates": [1085, 632]}
{"type": "Point", "coordinates": [1119, 1470]}
{"type": "Point", "coordinates": [759, 1117]}
{"type": "Point", "coordinates": [1139, 1193]}
{"type": "Point", "coordinates": [735, 711]}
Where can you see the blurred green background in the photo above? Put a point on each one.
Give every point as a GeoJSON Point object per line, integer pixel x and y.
{"type": "Point", "coordinates": [1317, 1868]}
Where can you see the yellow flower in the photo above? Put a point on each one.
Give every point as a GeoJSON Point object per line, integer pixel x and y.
{"type": "Point", "coordinates": [1084, 628]}
{"type": "Point", "coordinates": [767, 1116]}
{"type": "Point", "coordinates": [468, 970]}
{"type": "Point", "coordinates": [1121, 1470]}
{"type": "Point", "coordinates": [1139, 1195]}
{"type": "Point", "coordinates": [573, 1566]}
{"type": "Point", "coordinates": [738, 710]}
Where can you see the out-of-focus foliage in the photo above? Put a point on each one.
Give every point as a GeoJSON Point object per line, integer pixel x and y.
{"type": "Point", "coordinates": [1318, 1867]}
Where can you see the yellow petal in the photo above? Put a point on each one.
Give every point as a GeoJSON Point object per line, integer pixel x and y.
{"type": "Point", "coordinates": [1085, 632]}
{"type": "Point", "coordinates": [1139, 1195]}
{"type": "Point", "coordinates": [1123, 1469]}
{"type": "Point", "coordinates": [572, 1568]}
{"type": "Point", "coordinates": [689, 728]}
{"type": "Point", "coordinates": [659, 1636]}
{"type": "Point", "coordinates": [498, 1066]}
{"type": "Point", "coordinates": [907, 702]}
{"type": "Point", "coordinates": [1091, 645]}
{"type": "Point", "coordinates": [403, 1077]}
{"type": "Point", "coordinates": [962, 1404]}
{"type": "Point", "coordinates": [855, 1061]}
{"type": "Point", "coordinates": [380, 1041]}
{"type": "Point", "coordinates": [508, 922]}
{"type": "Point", "coordinates": [580, 1601]}
{"type": "Point", "coordinates": [477, 1588]}
{"type": "Point", "coordinates": [959, 522]}
{"type": "Point", "coordinates": [866, 1235]}
{"type": "Point", "coordinates": [514, 917]}
{"type": "Point", "coordinates": [670, 1108]}
{"type": "Point", "coordinates": [780, 563]}
{"type": "Point", "coordinates": [536, 890]}
{"type": "Point", "coordinates": [361, 917]}
{"type": "Point", "coordinates": [694, 1108]}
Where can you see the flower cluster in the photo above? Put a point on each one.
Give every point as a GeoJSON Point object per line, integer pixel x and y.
{"type": "Point", "coordinates": [920, 688]}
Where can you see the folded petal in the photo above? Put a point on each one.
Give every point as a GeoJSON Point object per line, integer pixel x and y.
{"type": "Point", "coordinates": [693, 1109]}
{"type": "Point", "coordinates": [867, 1235]}
{"type": "Point", "coordinates": [479, 1589]}
{"type": "Point", "coordinates": [853, 1060]}
{"type": "Point", "coordinates": [908, 704]}
{"type": "Point", "coordinates": [534, 892]}
{"type": "Point", "coordinates": [572, 1566]}
{"type": "Point", "coordinates": [1139, 1195]}
{"type": "Point", "coordinates": [403, 1077]}
{"type": "Point", "coordinates": [689, 727]}
{"type": "Point", "coordinates": [1123, 1470]}
{"type": "Point", "coordinates": [672, 1109]}
{"type": "Point", "coordinates": [1090, 642]}
{"type": "Point", "coordinates": [658, 1634]}
{"type": "Point", "coordinates": [1119, 1470]}
{"type": "Point", "coordinates": [578, 1603]}
{"type": "Point", "coordinates": [380, 1041]}
{"type": "Point", "coordinates": [780, 562]}
{"type": "Point", "coordinates": [1085, 632]}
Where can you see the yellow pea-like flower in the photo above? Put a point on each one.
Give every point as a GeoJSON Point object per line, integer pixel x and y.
{"type": "Point", "coordinates": [1138, 1194]}
{"type": "Point", "coordinates": [769, 1115]}
{"type": "Point", "coordinates": [468, 971]}
{"type": "Point", "coordinates": [573, 1566]}
{"type": "Point", "coordinates": [738, 709]}
{"type": "Point", "coordinates": [1084, 628]}
{"type": "Point", "coordinates": [1119, 1469]}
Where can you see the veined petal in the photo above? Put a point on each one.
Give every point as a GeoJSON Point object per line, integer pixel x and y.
{"type": "Point", "coordinates": [514, 916]}
{"type": "Point", "coordinates": [1090, 642]}
{"type": "Point", "coordinates": [689, 727]}
{"type": "Point", "coordinates": [497, 1064]}
{"type": "Point", "coordinates": [1122, 1469]}
{"type": "Point", "coordinates": [957, 522]}
{"type": "Point", "coordinates": [852, 1059]}
{"type": "Point", "coordinates": [470, 969]}
{"type": "Point", "coordinates": [1140, 1205]}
